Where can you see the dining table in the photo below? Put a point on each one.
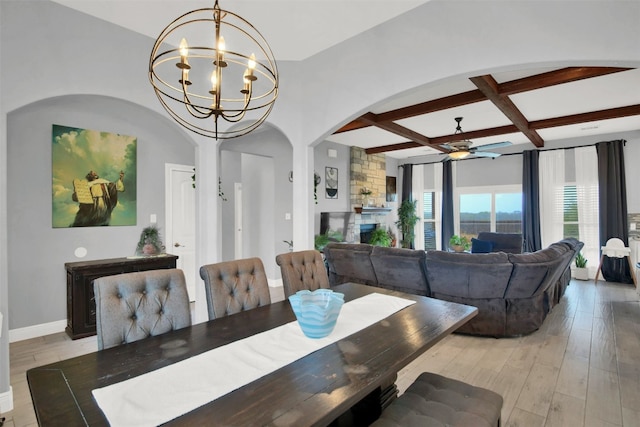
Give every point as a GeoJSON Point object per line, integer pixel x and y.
{"type": "Point", "coordinates": [350, 379]}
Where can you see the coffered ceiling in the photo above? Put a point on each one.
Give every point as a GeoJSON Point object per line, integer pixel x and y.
{"type": "Point", "coordinates": [527, 108]}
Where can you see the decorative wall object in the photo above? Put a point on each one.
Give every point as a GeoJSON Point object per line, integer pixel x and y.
{"type": "Point", "coordinates": [93, 178]}
{"type": "Point", "coordinates": [391, 189]}
{"type": "Point", "coordinates": [331, 182]}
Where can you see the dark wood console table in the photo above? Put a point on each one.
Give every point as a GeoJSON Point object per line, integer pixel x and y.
{"type": "Point", "coordinates": [81, 305]}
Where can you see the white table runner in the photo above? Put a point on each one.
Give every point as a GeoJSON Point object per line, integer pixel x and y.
{"type": "Point", "coordinates": [162, 395]}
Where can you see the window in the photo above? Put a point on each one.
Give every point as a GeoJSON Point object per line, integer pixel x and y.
{"type": "Point", "coordinates": [430, 220]}
{"type": "Point", "coordinates": [508, 212]}
{"type": "Point", "coordinates": [497, 209]}
{"type": "Point", "coordinates": [570, 224]}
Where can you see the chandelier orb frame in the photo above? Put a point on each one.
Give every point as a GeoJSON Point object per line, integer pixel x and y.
{"type": "Point", "coordinates": [199, 82]}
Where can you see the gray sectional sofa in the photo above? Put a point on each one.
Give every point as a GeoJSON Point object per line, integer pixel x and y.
{"type": "Point", "coordinates": [513, 292]}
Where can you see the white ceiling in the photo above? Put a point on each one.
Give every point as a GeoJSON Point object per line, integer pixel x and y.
{"type": "Point", "coordinates": [307, 33]}
{"type": "Point", "coordinates": [306, 21]}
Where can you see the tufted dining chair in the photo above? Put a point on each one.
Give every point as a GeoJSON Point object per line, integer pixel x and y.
{"type": "Point", "coordinates": [133, 306]}
{"type": "Point", "coordinates": [234, 286]}
{"type": "Point", "coordinates": [302, 270]}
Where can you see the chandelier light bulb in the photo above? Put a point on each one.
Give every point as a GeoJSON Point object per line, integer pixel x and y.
{"type": "Point", "coordinates": [184, 48]}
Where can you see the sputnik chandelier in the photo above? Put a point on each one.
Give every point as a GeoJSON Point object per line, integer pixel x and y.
{"type": "Point", "coordinates": [211, 64]}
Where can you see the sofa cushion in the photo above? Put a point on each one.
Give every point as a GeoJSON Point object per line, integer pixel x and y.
{"type": "Point", "coordinates": [468, 275]}
{"type": "Point", "coordinates": [400, 269]}
{"type": "Point", "coordinates": [533, 272]}
{"type": "Point", "coordinates": [503, 242]}
{"type": "Point", "coordinates": [481, 246]}
{"type": "Point", "coordinates": [350, 262]}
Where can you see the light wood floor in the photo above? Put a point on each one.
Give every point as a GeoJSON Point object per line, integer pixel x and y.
{"type": "Point", "coordinates": [582, 368]}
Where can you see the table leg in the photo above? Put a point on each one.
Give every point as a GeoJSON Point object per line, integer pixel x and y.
{"type": "Point", "coordinates": [369, 409]}
{"type": "Point", "coordinates": [599, 268]}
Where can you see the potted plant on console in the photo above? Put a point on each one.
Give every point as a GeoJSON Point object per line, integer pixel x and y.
{"type": "Point", "coordinates": [459, 243]}
{"type": "Point", "coordinates": [407, 220]}
{"type": "Point", "coordinates": [581, 272]}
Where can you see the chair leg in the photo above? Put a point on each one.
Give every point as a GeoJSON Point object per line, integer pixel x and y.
{"type": "Point", "coordinates": [599, 268]}
{"type": "Point", "coordinates": [632, 270]}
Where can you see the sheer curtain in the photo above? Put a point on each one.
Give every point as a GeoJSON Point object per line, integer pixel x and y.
{"type": "Point", "coordinates": [586, 160]}
{"type": "Point", "coordinates": [552, 181]}
{"type": "Point", "coordinates": [437, 184]}
{"type": "Point", "coordinates": [418, 195]}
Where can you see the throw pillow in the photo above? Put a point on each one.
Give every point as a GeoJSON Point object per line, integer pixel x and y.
{"type": "Point", "coordinates": [481, 246]}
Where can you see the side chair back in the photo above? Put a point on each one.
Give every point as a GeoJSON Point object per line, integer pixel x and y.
{"type": "Point", "coordinates": [234, 286]}
{"type": "Point", "coordinates": [302, 270]}
{"type": "Point", "coordinates": [133, 306]}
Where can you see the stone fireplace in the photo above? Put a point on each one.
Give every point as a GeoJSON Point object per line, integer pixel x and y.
{"type": "Point", "coordinates": [368, 171]}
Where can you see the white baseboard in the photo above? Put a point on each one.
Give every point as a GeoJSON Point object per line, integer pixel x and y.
{"type": "Point", "coordinates": [36, 331]}
{"type": "Point", "coordinates": [6, 401]}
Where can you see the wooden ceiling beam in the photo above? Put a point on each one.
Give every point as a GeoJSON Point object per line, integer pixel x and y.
{"type": "Point", "coordinates": [611, 113]}
{"type": "Point", "coordinates": [439, 104]}
{"type": "Point", "coordinates": [393, 147]}
{"type": "Point", "coordinates": [373, 120]}
{"type": "Point", "coordinates": [488, 85]}
{"type": "Point", "coordinates": [437, 141]}
{"type": "Point", "coordinates": [552, 78]}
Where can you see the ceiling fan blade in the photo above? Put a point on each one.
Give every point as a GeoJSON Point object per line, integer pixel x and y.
{"type": "Point", "coordinates": [492, 146]}
{"type": "Point", "coordinates": [486, 154]}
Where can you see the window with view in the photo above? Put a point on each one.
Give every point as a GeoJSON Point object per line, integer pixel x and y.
{"type": "Point", "coordinates": [570, 224]}
{"type": "Point", "coordinates": [431, 223]}
{"type": "Point", "coordinates": [491, 210]}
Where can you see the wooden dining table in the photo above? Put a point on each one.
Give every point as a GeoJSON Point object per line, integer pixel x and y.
{"type": "Point", "coordinates": [321, 388]}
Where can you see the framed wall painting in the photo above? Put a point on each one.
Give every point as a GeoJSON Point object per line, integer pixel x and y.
{"type": "Point", "coordinates": [331, 182]}
{"type": "Point", "coordinates": [391, 189]}
{"type": "Point", "coordinates": [93, 178]}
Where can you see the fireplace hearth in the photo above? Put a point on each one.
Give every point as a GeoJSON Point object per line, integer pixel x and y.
{"type": "Point", "coordinates": [365, 232]}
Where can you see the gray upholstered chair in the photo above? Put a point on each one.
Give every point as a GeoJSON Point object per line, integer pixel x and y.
{"type": "Point", "coordinates": [234, 286]}
{"type": "Point", "coordinates": [133, 306]}
{"type": "Point", "coordinates": [434, 400]}
{"type": "Point", "coordinates": [302, 270]}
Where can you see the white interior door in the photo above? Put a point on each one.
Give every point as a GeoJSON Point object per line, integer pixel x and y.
{"type": "Point", "coordinates": [181, 225]}
{"type": "Point", "coordinates": [238, 220]}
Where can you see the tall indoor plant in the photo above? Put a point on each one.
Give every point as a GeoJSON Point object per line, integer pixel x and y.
{"type": "Point", "coordinates": [407, 219]}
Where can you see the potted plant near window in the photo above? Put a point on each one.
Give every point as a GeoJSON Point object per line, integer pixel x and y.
{"type": "Point", "coordinates": [459, 243]}
{"type": "Point", "coordinates": [407, 220]}
{"type": "Point", "coordinates": [581, 271]}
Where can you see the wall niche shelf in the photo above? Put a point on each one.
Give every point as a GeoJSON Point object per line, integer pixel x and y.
{"type": "Point", "coordinates": [366, 210]}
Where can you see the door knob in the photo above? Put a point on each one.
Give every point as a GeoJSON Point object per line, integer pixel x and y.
{"type": "Point", "coordinates": [176, 245]}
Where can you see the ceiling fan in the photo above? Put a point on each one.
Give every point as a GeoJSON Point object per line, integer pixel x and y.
{"type": "Point", "coordinates": [463, 148]}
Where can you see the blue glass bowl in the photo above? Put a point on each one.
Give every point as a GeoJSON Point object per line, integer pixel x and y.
{"type": "Point", "coordinates": [317, 311]}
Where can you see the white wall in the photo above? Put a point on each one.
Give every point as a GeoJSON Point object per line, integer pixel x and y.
{"type": "Point", "coordinates": [342, 162]}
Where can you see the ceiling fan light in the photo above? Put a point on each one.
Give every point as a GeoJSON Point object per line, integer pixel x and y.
{"type": "Point", "coordinates": [457, 155]}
